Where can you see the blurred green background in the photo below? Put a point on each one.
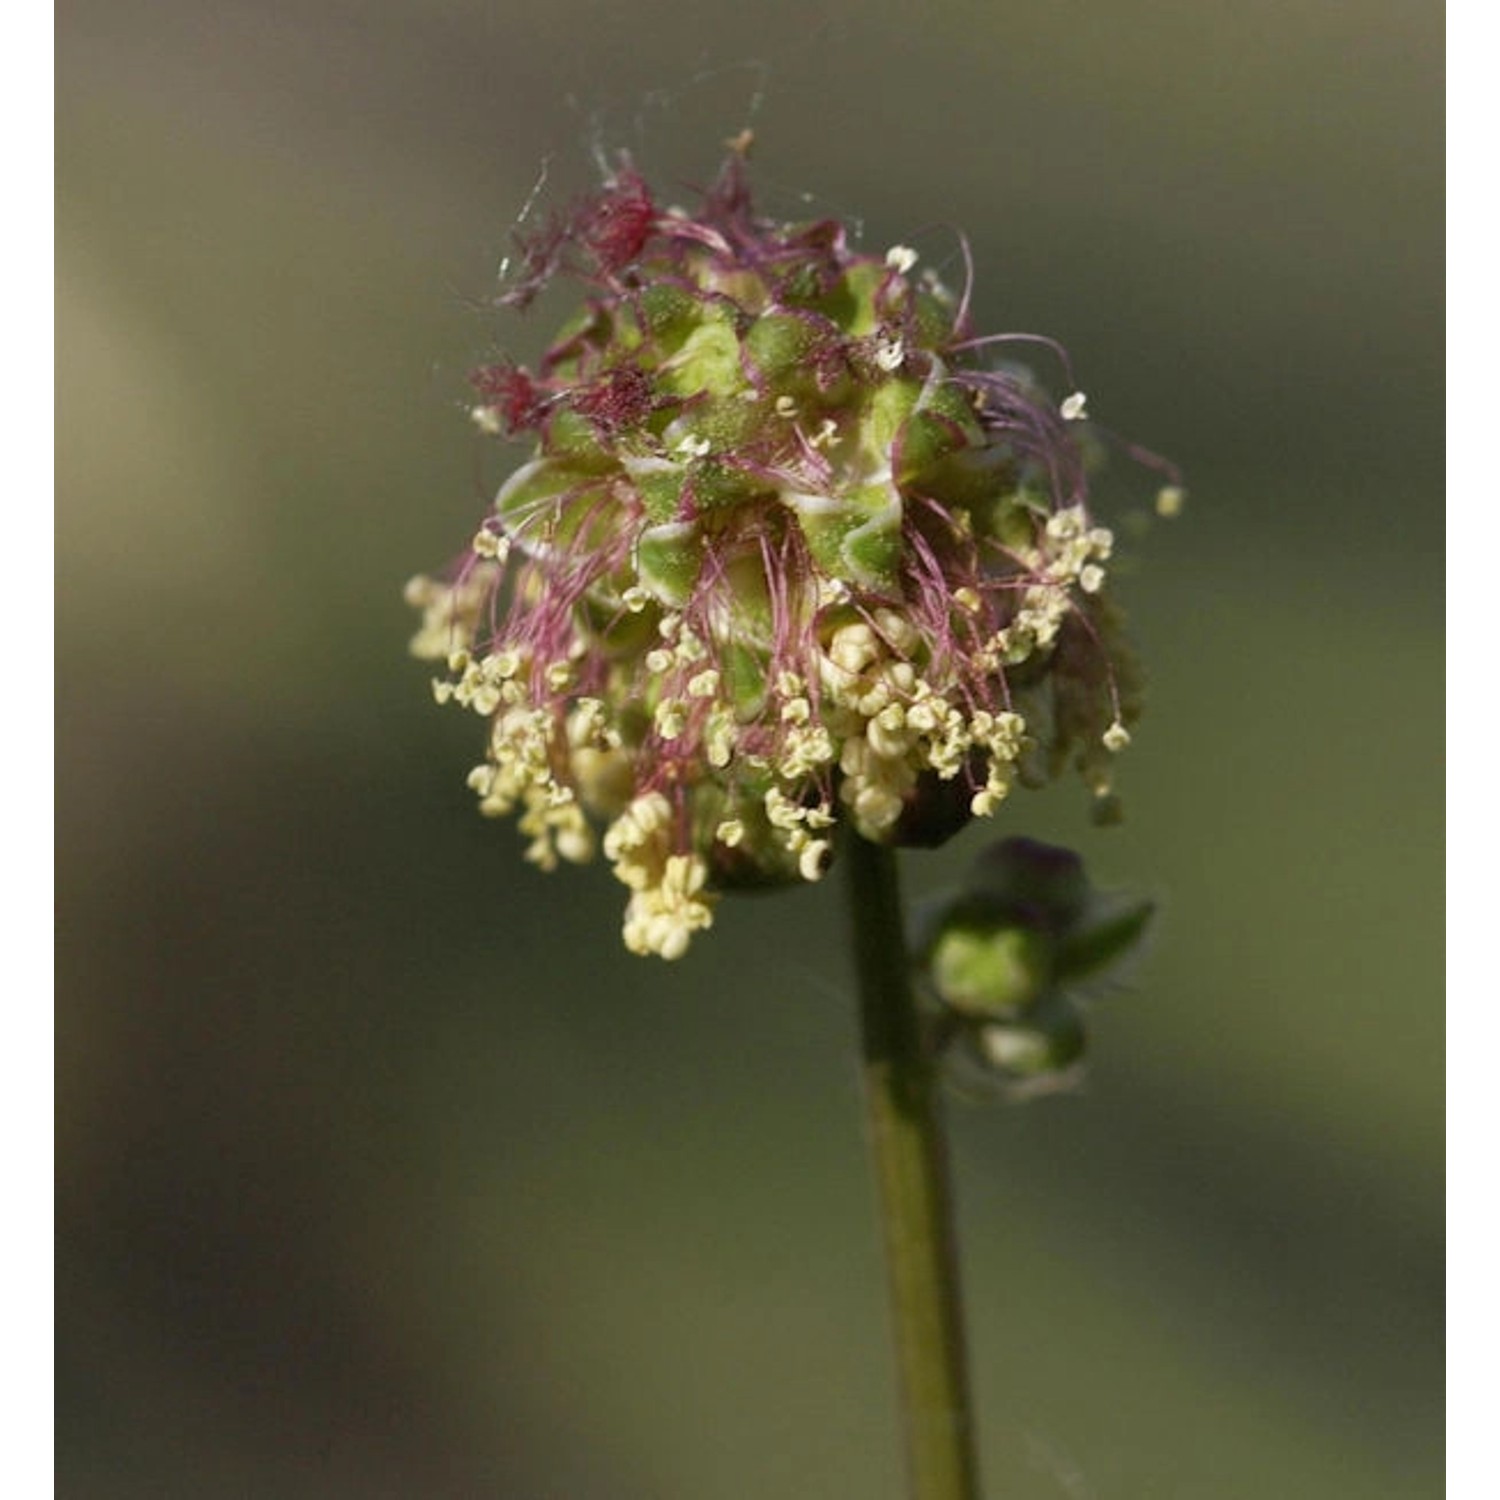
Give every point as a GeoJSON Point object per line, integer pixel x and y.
{"type": "Point", "coordinates": [383, 1170]}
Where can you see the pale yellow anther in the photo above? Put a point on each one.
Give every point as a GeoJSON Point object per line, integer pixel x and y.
{"type": "Point", "coordinates": [812, 862]}
{"type": "Point", "coordinates": [671, 718]}
{"type": "Point", "coordinates": [1170, 500]}
{"type": "Point", "coordinates": [887, 743]}
{"type": "Point", "coordinates": [1091, 578]}
{"type": "Point", "coordinates": [704, 685]}
{"type": "Point", "coordinates": [450, 612]}
{"type": "Point", "coordinates": [853, 647]}
{"type": "Point", "coordinates": [575, 841]}
{"type": "Point", "coordinates": [781, 811]}
{"type": "Point", "coordinates": [934, 284]}
{"type": "Point", "coordinates": [922, 717]}
{"type": "Point", "coordinates": [806, 749]}
{"type": "Point", "coordinates": [588, 724]}
{"type": "Point", "coordinates": [719, 738]}
{"type": "Point", "coordinates": [483, 698]}
{"type": "Point", "coordinates": [690, 648]}
{"type": "Point", "coordinates": [635, 599]}
{"type": "Point", "coordinates": [897, 629]}
{"type": "Point", "coordinates": [492, 545]}
{"type": "Point", "coordinates": [1062, 525]}
{"type": "Point", "coordinates": [668, 906]}
{"type": "Point", "coordinates": [1116, 737]}
{"type": "Point", "coordinates": [876, 809]}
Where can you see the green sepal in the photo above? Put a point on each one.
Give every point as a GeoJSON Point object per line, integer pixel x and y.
{"type": "Point", "coordinates": [742, 671]}
{"type": "Point", "coordinates": [709, 360]}
{"type": "Point", "coordinates": [1109, 931]}
{"type": "Point", "coordinates": [873, 551]}
{"type": "Point", "coordinates": [618, 631]}
{"type": "Point", "coordinates": [591, 324]}
{"type": "Point", "coordinates": [571, 436]}
{"type": "Point", "coordinates": [746, 618]}
{"type": "Point", "coordinates": [715, 485]}
{"type": "Point", "coordinates": [857, 538]}
{"type": "Point", "coordinates": [851, 301]}
{"type": "Point", "coordinates": [668, 559]}
{"type": "Point", "coordinates": [779, 343]}
{"type": "Point", "coordinates": [724, 423]}
{"type": "Point", "coordinates": [546, 502]}
{"type": "Point", "coordinates": [925, 438]}
{"type": "Point", "coordinates": [658, 482]}
{"type": "Point", "coordinates": [933, 318]}
{"type": "Point", "coordinates": [999, 511]}
{"type": "Point", "coordinates": [979, 480]}
{"type": "Point", "coordinates": [891, 405]}
{"type": "Point", "coordinates": [667, 314]}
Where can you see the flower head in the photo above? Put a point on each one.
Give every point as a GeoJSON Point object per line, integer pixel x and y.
{"type": "Point", "coordinates": [790, 550]}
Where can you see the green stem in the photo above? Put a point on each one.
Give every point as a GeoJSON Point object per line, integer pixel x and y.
{"type": "Point", "coordinates": [910, 1159]}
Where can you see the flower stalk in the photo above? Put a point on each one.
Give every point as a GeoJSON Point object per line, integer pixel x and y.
{"type": "Point", "coordinates": [909, 1156]}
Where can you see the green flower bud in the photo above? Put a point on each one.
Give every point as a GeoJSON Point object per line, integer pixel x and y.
{"type": "Point", "coordinates": [980, 969]}
{"type": "Point", "coordinates": [1002, 960]}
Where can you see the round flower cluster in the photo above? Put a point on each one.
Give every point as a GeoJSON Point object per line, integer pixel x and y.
{"type": "Point", "coordinates": [791, 551]}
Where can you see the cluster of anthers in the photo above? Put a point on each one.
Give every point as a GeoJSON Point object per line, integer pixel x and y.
{"type": "Point", "coordinates": [791, 551]}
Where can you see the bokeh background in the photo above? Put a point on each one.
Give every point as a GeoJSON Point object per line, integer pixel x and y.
{"type": "Point", "coordinates": [383, 1170]}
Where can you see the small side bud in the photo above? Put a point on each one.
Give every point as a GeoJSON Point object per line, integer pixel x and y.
{"type": "Point", "coordinates": [981, 969]}
{"type": "Point", "coordinates": [1004, 961]}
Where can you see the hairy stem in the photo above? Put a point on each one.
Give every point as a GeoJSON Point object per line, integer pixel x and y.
{"type": "Point", "coordinates": [911, 1172]}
